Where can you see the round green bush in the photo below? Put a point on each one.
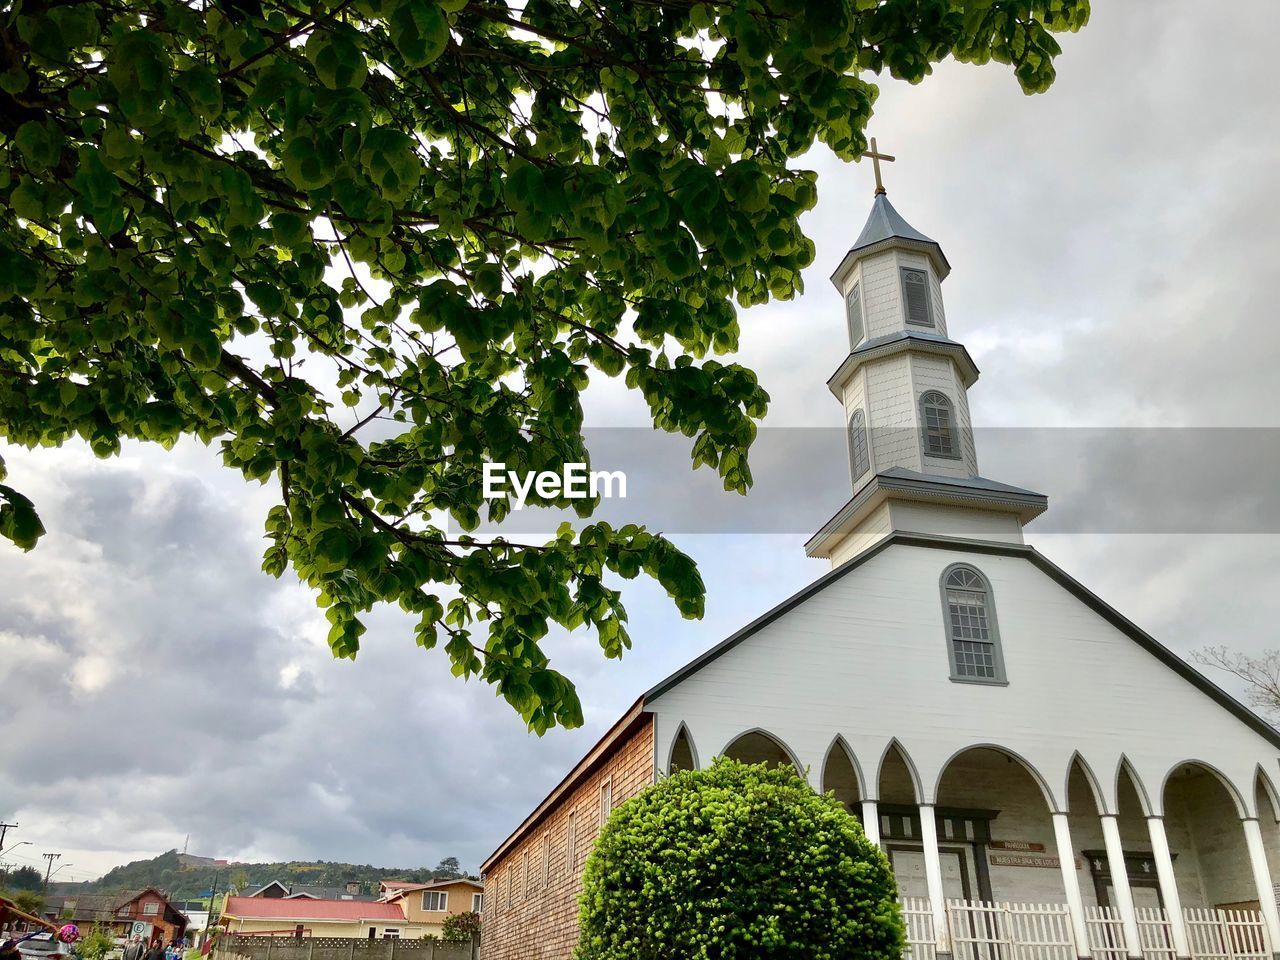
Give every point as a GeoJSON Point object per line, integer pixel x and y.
{"type": "Point", "coordinates": [736, 862]}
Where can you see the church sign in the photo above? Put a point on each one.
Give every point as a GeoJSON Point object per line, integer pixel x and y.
{"type": "Point", "coordinates": [1029, 846]}
{"type": "Point", "coordinates": [1025, 860]}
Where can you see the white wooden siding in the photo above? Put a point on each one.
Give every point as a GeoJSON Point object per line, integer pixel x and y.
{"type": "Point", "coordinates": [891, 413]}
{"type": "Point", "coordinates": [881, 298]}
{"type": "Point", "coordinates": [866, 658]}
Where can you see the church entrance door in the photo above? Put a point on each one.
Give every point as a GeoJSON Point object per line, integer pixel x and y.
{"type": "Point", "coordinates": [908, 868]}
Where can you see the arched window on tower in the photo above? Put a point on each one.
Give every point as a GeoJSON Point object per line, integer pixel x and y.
{"type": "Point", "coordinates": [973, 641]}
{"type": "Point", "coordinates": [938, 424]}
{"type": "Point", "coordinates": [859, 454]}
{"type": "Point", "coordinates": [853, 309]}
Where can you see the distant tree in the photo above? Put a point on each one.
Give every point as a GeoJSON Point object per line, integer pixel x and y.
{"type": "Point", "coordinates": [240, 880]}
{"type": "Point", "coordinates": [368, 247]}
{"type": "Point", "coordinates": [1260, 674]}
{"type": "Point", "coordinates": [447, 868]}
{"type": "Point", "coordinates": [461, 926]}
{"type": "Point", "coordinates": [24, 878]}
{"type": "Point", "coordinates": [29, 901]}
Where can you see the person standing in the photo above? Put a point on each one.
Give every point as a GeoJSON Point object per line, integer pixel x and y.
{"type": "Point", "coordinates": [156, 952]}
{"type": "Point", "coordinates": [135, 949]}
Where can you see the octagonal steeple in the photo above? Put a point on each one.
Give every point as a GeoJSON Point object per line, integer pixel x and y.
{"type": "Point", "coordinates": [904, 387]}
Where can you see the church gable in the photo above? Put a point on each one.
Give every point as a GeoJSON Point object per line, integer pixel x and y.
{"type": "Point", "coordinates": [866, 652]}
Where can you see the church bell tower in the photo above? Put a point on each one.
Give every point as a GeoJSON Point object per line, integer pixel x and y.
{"type": "Point", "coordinates": [904, 388]}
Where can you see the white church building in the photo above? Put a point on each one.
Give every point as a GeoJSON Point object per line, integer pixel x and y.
{"type": "Point", "coordinates": [1047, 779]}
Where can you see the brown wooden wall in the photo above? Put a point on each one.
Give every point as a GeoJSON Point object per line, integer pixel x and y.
{"type": "Point", "coordinates": [539, 921]}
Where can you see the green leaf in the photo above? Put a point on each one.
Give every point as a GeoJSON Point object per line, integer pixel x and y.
{"type": "Point", "coordinates": [337, 60]}
{"type": "Point", "coordinates": [18, 519]}
{"type": "Point", "coordinates": [419, 30]}
{"type": "Point", "coordinates": [40, 143]}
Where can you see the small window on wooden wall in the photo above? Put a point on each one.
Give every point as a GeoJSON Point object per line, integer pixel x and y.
{"type": "Point", "coordinates": [546, 860]}
{"type": "Point", "coordinates": [571, 842]}
{"type": "Point", "coordinates": [606, 800]}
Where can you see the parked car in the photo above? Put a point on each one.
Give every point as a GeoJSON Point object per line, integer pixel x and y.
{"type": "Point", "coordinates": [44, 946]}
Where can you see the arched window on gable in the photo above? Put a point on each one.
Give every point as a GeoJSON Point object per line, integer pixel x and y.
{"type": "Point", "coordinates": [859, 453]}
{"type": "Point", "coordinates": [973, 640]}
{"type": "Point", "coordinates": [939, 425]}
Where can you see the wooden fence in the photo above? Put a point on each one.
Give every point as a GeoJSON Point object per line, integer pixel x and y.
{"type": "Point", "coordinates": [922, 944]}
{"type": "Point", "coordinates": [1010, 931]}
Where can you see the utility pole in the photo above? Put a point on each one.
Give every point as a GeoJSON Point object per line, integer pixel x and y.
{"type": "Point", "coordinates": [49, 869]}
{"type": "Point", "coordinates": [5, 828]}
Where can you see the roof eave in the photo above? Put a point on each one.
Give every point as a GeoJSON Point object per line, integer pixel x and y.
{"type": "Point", "coordinates": [907, 342]}
{"type": "Point", "coordinates": [930, 248]}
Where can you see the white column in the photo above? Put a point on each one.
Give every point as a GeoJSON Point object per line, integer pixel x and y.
{"type": "Point", "coordinates": [933, 877]}
{"type": "Point", "coordinates": [1120, 884]}
{"type": "Point", "coordinates": [1168, 886]}
{"type": "Point", "coordinates": [1071, 883]}
{"type": "Point", "coordinates": [871, 821]}
{"type": "Point", "coordinates": [1262, 879]}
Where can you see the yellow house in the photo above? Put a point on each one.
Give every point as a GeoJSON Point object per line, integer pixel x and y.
{"type": "Point", "coordinates": [310, 917]}
{"type": "Point", "coordinates": [425, 905]}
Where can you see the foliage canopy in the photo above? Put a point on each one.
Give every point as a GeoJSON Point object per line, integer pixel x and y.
{"type": "Point", "coordinates": [367, 245]}
{"type": "Point", "coordinates": [737, 861]}
{"type": "Point", "coordinates": [22, 878]}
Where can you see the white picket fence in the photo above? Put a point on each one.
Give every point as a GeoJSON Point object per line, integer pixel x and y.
{"type": "Point", "coordinates": [1226, 935]}
{"type": "Point", "coordinates": [1010, 931]}
{"type": "Point", "coordinates": [1042, 931]}
{"type": "Point", "coordinates": [1106, 933]}
{"type": "Point", "coordinates": [922, 944]}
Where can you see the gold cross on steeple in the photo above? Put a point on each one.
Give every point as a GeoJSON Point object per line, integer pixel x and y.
{"type": "Point", "coordinates": [876, 156]}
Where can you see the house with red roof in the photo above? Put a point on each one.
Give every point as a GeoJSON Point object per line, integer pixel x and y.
{"type": "Point", "coordinates": [426, 905]}
{"type": "Point", "coordinates": [311, 917]}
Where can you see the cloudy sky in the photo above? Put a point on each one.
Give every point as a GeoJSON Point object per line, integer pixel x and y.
{"type": "Point", "coordinates": [1112, 244]}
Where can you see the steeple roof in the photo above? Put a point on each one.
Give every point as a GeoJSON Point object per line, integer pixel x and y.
{"type": "Point", "coordinates": [885, 222]}
{"type": "Point", "coordinates": [886, 227]}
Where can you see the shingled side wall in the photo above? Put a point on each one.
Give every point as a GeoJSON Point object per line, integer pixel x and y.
{"type": "Point", "coordinates": [538, 920]}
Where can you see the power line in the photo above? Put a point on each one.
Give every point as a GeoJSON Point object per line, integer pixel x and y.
{"type": "Point", "coordinates": [5, 828]}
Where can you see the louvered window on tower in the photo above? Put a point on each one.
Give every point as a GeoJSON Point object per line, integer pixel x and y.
{"type": "Point", "coordinates": [859, 455]}
{"type": "Point", "coordinates": [915, 296]}
{"type": "Point", "coordinates": [938, 424]}
{"type": "Point", "coordinates": [853, 306]}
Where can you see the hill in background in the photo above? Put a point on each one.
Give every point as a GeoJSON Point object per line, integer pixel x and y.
{"type": "Point", "coordinates": [186, 877]}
